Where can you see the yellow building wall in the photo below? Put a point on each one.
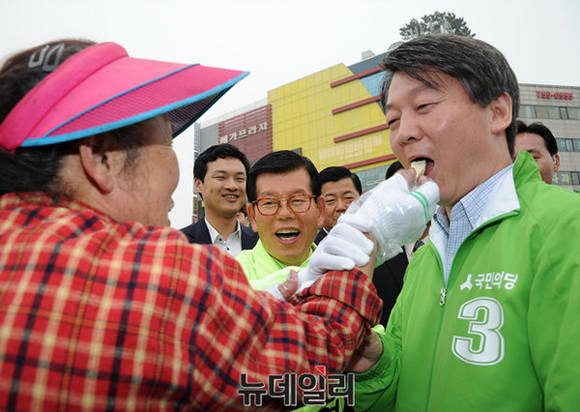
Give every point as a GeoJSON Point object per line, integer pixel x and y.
{"type": "Point", "coordinates": [302, 117]}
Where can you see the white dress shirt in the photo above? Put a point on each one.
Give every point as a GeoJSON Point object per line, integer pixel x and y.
{"type": "Point", "coordinates": [231, 245]}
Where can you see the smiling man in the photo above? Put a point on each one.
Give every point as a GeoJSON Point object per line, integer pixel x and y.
{"type": "Point", "coordinates": [488, 315]}
{"type": "Point", "coordinates": [285, 208]}
{"type": "Point", "coordinates": [220, 174]}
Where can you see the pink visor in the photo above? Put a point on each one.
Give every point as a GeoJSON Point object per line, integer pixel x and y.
{"type": "Point", "coordinates": [101, 88]}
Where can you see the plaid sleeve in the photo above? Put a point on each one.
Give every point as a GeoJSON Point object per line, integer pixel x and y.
{"type": "Point", "coordinates": [96, 315]}
{"type": "Point", "coordinates": [244, 331]}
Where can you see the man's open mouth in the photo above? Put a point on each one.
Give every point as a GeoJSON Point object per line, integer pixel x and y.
{"type": "Point", "coordinates": [287, 234]}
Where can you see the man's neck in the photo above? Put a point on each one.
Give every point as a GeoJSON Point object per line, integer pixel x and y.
{"type": "Point", "coordinates": [225, 226]}
{"type": "Point", "coordinates": [500, 164]}
{"type": "Point", "coordinates": [449, 208]}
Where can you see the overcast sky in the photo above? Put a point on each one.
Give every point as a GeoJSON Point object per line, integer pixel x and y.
{"type": "Point", "coordinates": [281, 41]}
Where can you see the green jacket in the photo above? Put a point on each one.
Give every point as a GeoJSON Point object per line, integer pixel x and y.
{"type": "Point", "coordinates": [263, 270]}
{"type": "Point", "coordinates": [507, 336]}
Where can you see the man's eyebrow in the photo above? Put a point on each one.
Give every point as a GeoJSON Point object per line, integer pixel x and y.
{"type": "Point", "coordinates": [216, 171]}
{"type": "Point", "coordinates": [273, 193]}
{"type": "Point", "coordinates": [414, 92]}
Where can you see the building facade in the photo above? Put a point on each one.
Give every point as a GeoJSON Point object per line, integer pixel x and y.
{"type": "Point", "coordinates": [558, 107]}
{"type": "Point", "coordinates": [334, 118]}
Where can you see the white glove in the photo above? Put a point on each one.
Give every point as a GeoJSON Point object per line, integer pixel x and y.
{"type": "Point", "coordinates": [393, 214]}
{"type": "Point", "coordinates": [342, 249]}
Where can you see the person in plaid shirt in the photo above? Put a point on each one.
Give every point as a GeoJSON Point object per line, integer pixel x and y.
{"type": "Point", "coordinates": [102, 305]}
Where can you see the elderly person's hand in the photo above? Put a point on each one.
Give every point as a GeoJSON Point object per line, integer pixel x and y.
{"type": "Point", "coordinates": [367, 354]}
{"type": "Point", "coordinates": [289, 287]}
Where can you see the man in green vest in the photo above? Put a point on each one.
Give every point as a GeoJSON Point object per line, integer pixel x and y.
{"type": "Point", "coordinates": [488, 316]}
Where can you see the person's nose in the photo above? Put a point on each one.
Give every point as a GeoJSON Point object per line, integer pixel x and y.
{"type": "Point", "coordinates": [231, 184]}
{"type": "Point", "coordinates": [341, 205]}
{"type": "Point", "coordinates": [284, 211]}
{"type": "Point", "coordinates": [407, 130]}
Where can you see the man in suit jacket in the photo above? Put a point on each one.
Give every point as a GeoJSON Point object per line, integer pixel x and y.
{"type": "Point", "coordinates": [220, 174]}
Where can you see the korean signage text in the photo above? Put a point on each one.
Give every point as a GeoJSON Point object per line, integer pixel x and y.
{"type": "Point", "coordinates": [546, 94]}
{"type": "Point", "coordinates": [243, 133]}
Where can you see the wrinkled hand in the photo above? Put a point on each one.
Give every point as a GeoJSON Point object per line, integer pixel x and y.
{"type": "Point", "coordinates": [395, 212]}
{"type": "Point", "coordinates": [289, 287]}
{"type": "Point", "coordinates": [285, 290]}
{"type": "Point", "coordinates": [342, 249]}
{"type": "Point", "coordinates": [367, 354]}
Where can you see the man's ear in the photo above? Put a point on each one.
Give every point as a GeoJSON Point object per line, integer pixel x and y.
{"type": "Point", "coordinates": [198, 184]}
{"type": "Point", "coordinates": [251, 209]}
{"type": "Point", "coordinates": [100, 164]}
{"type": "Point", "coordinates": [556, 158]}
{"type": "Point", "coordinates": [320, 204]}
{"type": "Point", "coordinates": [501, 113]}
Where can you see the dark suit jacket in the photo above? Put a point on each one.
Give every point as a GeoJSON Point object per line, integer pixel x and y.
{"type": "Point", "coordinates": [199, 233]}
{"type": "Point", "coordinates": [387, 278]}
{"type": "Point", "coordinates": [321, 235]}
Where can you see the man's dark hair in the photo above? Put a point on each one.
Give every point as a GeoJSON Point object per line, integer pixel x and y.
{"type": "Point", "coordinates": [31, 169]}
{"type": "Point", "coordinates": [393, 168]}
{"type": "Point", "coordinates": [482, 70]}
{"type": "Point", "coordinates": [542, 131]}
{"type": "Point", "coordinates": [218, 151]}
{"type": "Point", "coordinates": [336, 173]}
{"type": "Point", "coordinates": [280, 162]}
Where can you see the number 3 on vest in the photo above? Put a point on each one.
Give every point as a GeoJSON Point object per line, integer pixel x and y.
{"type": "Point", "coordinates": [490, 349]}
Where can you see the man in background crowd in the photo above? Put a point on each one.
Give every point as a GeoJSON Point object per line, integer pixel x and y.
{"type": "Point", "coordinates": [539, 141]}
{"type": "Point", "coordinates": [220, 175]}
{"type": "Point", "coordinates": [339, 187]}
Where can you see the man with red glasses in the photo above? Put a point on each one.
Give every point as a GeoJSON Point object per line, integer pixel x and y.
{"type": "Point", "coordinates": [286, 209]}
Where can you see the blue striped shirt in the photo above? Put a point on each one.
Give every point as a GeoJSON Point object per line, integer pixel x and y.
{"type": "Point", "coordinates": [464, 216]}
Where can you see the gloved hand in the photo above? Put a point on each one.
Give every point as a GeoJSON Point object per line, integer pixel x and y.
{"type": "Point", "coordinates": [342, 249]}
{"type": "Point", "coordinates": [394, 213]}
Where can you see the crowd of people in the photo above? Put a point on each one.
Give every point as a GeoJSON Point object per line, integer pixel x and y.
{"type": "Point", "coordinates": [453, 288]}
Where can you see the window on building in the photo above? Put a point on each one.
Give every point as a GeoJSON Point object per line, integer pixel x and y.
{"type": "Point", "coordinates": [369, 178]}
{"type": "Point", "coordinates": [527, 112]}
{"type": "Point", "coordinates": [575, 177]}
{"type": "Point", "coordinates": [562, 178]}
{"type": "Point", "coordinates": [568, 145]}
{"type": "Point", "coordinates": [563, 113]}
{"type": "Point", "coordinates": [547, 112]}
{"type": "Point", "coordinates": [574, 113]}
{"type": "Point", "coordinates": [374, 83]}
{"type": "Point", "coordinates": [564, 145]}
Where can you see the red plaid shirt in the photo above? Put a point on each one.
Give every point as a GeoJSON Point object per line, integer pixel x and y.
{"type": "Point", "coordinates": [101, 315]}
